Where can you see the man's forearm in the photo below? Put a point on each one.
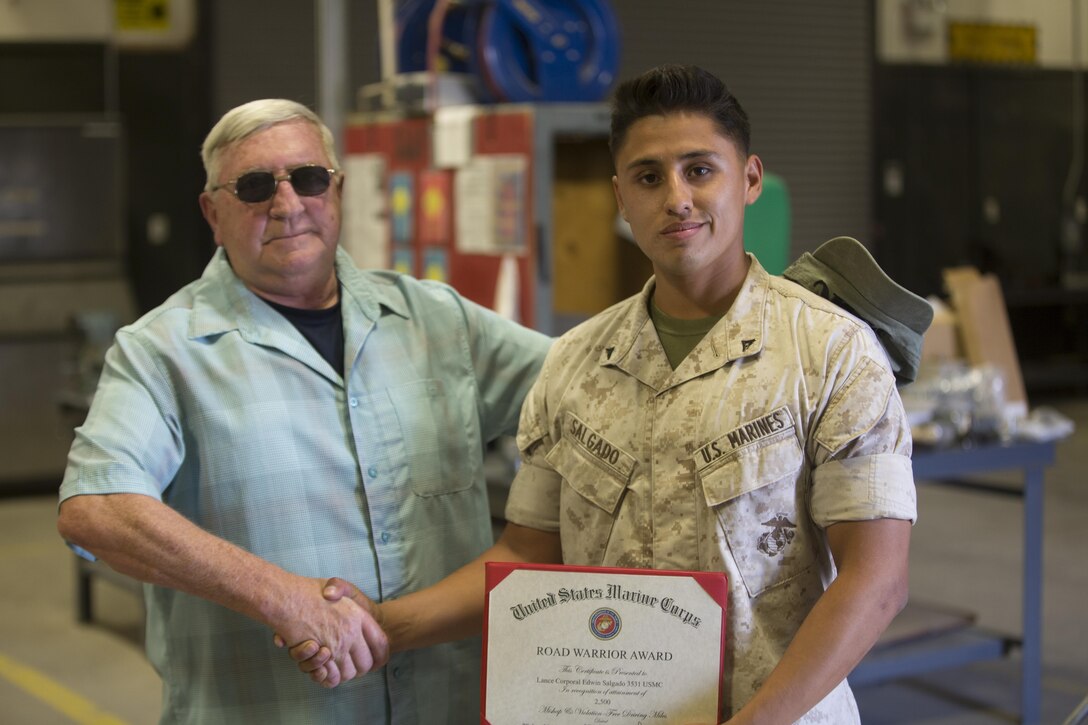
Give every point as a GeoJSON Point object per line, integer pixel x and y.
{"type": "Point", "coordinates": [143, 538]}
{"type": "Point", "coordinates": [147, 540]}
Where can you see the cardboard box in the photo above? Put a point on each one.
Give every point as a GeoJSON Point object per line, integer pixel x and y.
{"type": "Point", "coordinates": [984, 331]}
{"type": "Point", "coordinates": [941, 341]}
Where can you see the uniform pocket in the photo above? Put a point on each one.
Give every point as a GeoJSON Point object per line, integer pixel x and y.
{"type": "Point", "coordinates": [593, 487]}
{"type": "Point", "coordinates": [756, 494]}
{"type": "Point", "coordinates": [598, 484]}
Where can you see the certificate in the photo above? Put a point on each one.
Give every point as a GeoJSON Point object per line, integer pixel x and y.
{"type": "Point", "coordinates": [570, 645]}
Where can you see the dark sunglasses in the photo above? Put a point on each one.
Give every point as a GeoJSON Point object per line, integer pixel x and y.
{"type": "Point", "coordinates": [256, 186]}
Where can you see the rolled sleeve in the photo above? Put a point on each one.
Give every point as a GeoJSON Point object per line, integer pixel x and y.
{"type": "Point", "coordinates": [534, 492]}
{"type": "Point", "coordinates": [864, 488]}
{"type": "Point", "coordinates": [534, 498]}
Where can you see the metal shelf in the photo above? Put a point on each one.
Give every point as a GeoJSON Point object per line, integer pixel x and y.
{"type": "Point", "coordinates": [941, 651]}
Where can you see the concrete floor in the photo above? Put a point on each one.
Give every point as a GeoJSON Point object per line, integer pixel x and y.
{"type": "Point", "coordinates": [965, 554]}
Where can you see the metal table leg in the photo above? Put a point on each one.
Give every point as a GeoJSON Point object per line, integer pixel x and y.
{"type": "Point", "coordinates": [84, 606]}
{"type": "Point", "coordinates": [1031, 674]}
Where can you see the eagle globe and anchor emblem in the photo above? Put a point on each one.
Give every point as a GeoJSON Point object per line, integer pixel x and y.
{"type": "Point", "coordinates": [604, 623]}
{"type": "Point", "coordinates": [778, 538]}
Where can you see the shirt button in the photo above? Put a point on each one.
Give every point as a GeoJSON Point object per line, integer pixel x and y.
{"type": "Point", "coordinates": [372, 472]}
{"type": "Point", "coordinates": [385, 537]}
{"type": "Point", "coordinates": [396, 673]}
{"type": "Point", "coordinates": [353, 402]}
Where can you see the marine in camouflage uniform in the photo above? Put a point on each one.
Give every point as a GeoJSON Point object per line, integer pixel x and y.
{"type": "Point", "coordinates": [783, 420]}
{"type": "Point", "coordinates": [722, 420]}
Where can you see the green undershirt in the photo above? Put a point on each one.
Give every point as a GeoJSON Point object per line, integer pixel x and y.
{"type": "Point", "coordinates": [679, 337]}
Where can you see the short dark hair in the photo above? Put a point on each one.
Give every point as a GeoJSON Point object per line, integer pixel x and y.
{"type": "Point", "coordinates": [673, 88]}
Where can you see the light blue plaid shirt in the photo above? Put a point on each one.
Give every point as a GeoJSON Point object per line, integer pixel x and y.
{"type": "Point", "coordinates": [216, 404]}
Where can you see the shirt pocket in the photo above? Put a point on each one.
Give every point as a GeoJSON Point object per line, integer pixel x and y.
{"type": "Point", "coordinates": [433, 437]}
{"type": "Point", "coordinates": [754, 491]}
{"type": "Point", "coordinates": [589, 498]}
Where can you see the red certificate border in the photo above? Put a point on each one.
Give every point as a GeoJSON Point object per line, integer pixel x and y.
{"type": "Point", "coordinates": [713, 583]}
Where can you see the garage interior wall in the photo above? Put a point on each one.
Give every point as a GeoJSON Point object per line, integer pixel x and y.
{"type": "Point", "coordinates": [826, 118]}
{"type": "Point", "coordinates": [802, 70]}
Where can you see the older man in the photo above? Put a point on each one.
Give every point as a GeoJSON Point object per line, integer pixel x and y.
{"type": "Point", "coordinates": [285, 418]}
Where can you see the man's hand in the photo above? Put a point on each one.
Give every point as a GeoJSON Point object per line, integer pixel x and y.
{"type": "Point", "coordinates": [317, 660]}
{"type": "Point", "coordinates": [352, 641]}
{"type": "Point", "coordinates": [450, 610]}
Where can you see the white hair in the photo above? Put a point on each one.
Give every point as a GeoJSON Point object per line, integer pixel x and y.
{"type": "Point", "coordinates": [243, 121]}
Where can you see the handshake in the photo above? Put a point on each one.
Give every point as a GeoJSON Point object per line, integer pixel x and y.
{"type": "Point", "coordinates": [345, 640]}
{"type": "Point", "coordinates": [335, 633]}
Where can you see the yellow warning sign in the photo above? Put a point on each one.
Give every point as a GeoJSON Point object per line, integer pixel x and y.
{"type": "Point", "coordinates": [991, 43]}
{"type": "Point", "coordinates": [142, 15]}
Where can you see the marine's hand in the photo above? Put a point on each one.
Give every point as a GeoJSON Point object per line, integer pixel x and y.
{"type": "Point", "coordinates": [351, 639]}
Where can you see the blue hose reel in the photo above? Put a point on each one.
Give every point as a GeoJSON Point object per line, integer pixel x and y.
{"type": "Point", "coordinates": [518, 51]}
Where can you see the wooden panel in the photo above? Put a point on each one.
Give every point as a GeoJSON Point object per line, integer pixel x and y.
{"type": "Point", "coordinates": [593, 267]}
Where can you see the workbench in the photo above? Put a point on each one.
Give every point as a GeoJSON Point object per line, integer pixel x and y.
{"type": "Point", "coordinates": [961, 646]}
